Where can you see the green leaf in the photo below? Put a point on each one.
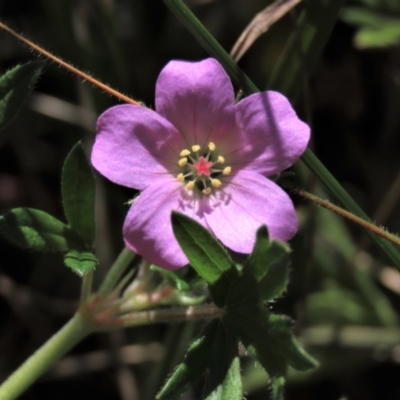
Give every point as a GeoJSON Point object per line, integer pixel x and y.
{"type": "Point", "coordinates": [15, 87]}
{"type": "Point", "coordinates": [179, 283]}
{"type": "Point", "coordinates": [275, 281]}
{"type": "Point", "coordinates": [202, 249]}
{"type": "Point", "coordinates": [80, 262]}
{"type": "Point", "coordinates": [194, 366]}
{"type": "Point", "coordinates": [37, 230]}
{"type": "Point", "coordinates": [78, 193]}
{"type": "Point", "coordinates": [224, 381]}
{"type": "Point", "coordinates": [222, 288]}
{"type": "Point", "coordinates": [265, 273]}
{"type": "Point", "coordinates": [270, 336]}
{"type": "Point", "coordinates": [257, 263]}
{"type": "Point", "coordinates": [295, 355]}
{"type": "Point", "coordinates": [251, 324]}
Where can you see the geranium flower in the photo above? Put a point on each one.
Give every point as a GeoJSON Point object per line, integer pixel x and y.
{"type": "Point", "coordinates": [203, 155]}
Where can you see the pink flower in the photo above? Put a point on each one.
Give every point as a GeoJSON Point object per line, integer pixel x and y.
{"type": "Point", "coordinates": [203, 155]}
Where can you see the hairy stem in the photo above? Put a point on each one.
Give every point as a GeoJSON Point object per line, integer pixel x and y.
{"type": "Point", "coordinates": [86, 288]}
{"type": "Point", "coordinates": [348, 215]}
{"type": "Point", "coordinates": [206, 311]}
{"type": "Point", "coordinates": [40, 361]}
{"type": "Point", "coordinates": [69, 67]}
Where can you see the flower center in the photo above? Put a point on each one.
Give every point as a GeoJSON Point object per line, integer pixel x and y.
{"type": "Point", "coordinates": [201, 168]}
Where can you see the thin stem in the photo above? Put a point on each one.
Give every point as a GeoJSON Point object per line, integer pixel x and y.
{"type": "Point", "coordinates": [205, 311]}
{"type": "Point", "coordinates": [312, 162]}
{"type": "Point", "coordinates": [348, 215]}
{"type": "Point", "coordinates": [116, 270]}
{"type": "Point", "coordinates": [278, 387]}
{"type": "Point", "coordinates": [86, 288]}
{"type": "Point", "coordinates": [40, 361]}
{"type": "Point", "coordinates": [69, 67]}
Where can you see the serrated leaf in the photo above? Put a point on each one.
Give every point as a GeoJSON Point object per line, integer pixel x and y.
{"type": "Point", "coordinates": [37, 230]}
{"type": "Point", "coordinates": [265, 274]}
{"type": "Point", "coordinates": [275, 281]}
{"type": "Point", "coordinates": [257, 263]}
{"type": "Point", "coordinates": [242, 289]}
{"type": "Point", "coordinates": [179, 283]}
{"type": "Point", "coordinates": [224, 381]}
{"type": "Point", "coordinates": [295, 355]}
{"type": "Point", "coordinates": [80, 262]}
{"type": "Point", "coordinates": [202, 249]}
{"type": "Point", "coordinates": [194, 366]}
{"type": "Point", "coordinates": [264, 254]}
{"type": "Point", "coordinates": [251, 324]}
{"type": "Point", "coordinates": [78, 193]}
{"type": "Point", "coordinates": [222, 288]}
{"type": "Point", "coordinates": [270, 336]}
{"type": "Point", "coordinates": [15, 87]}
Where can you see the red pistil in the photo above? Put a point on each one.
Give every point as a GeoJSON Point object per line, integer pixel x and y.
{"type": "Point", "coordinates": [203, 167]}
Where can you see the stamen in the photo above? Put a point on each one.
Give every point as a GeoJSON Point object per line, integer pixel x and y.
{"type": "Point", "coordinates": [220, 159]}
{"type": "Point", "coordinates": [190, 185]}
{"type": "Point", "coordinates": [182, 162]}
{"type": "Point", "coordinates": [206, 191]}
{"type": "Point", "coordinates": [227, 170]}
{"type": "Point", "coordinates": [216, 183]}
{"type": "Point", "coordinates": [196, 148]}
{"type": "Point", "coordinates": [184, 153]}
{"type": "Point", "coordinates": [180, 178]}
{"type": "Point", "coordinates": [211, 146]}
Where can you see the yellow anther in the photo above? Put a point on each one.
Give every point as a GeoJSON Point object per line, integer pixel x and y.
{"type": "Point", "coordinates": [216, 183]}
{"type": "Point", "coordinates": [206, 191]}
{"type": "Point", "coordinates": [220, 159]}
{"type": "Point", "coordinates": [196, 147]}
{"type": "Point", "coordinates": [184, 153]}
{"type": "Point", "coordinates": [211, 146]}
{"type": "Point", "coordinates": [190, 185]}
{"type": "Point", "coordinates": [182, 162]}
{"type": "Point", "coordinates": [180, 178]}
{"type": "Point", "coordinates": [227, 170]}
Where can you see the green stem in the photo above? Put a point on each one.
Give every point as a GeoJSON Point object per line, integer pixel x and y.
{"type": "Point", "coordinates": [86, 288]}
{"type": "Point", "coordinates": [40, 361]}
{"type": "Point", "coordinates": [205, 311]}
{"type": "Point", "coordinates": [116, 270]}
{"type": "Point", "coordinates": [278, 386]}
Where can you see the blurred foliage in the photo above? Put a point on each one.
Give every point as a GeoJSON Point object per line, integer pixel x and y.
{"type": "Point", "coordinates": [342, 293]}
{"type": "Point", "coordinates": [377, 22]}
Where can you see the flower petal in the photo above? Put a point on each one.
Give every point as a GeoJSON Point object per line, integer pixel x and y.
{"type": "Point", "coordinates": [268, 137]}
{"type": "Point", "coordinates": [247, 202]}
{"type": "Point", "coordinates": [198, 99]}
{"type": "Point", "coordinates": [147, 228]}
{"type": "Point", "coordinates": [135, 146]}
